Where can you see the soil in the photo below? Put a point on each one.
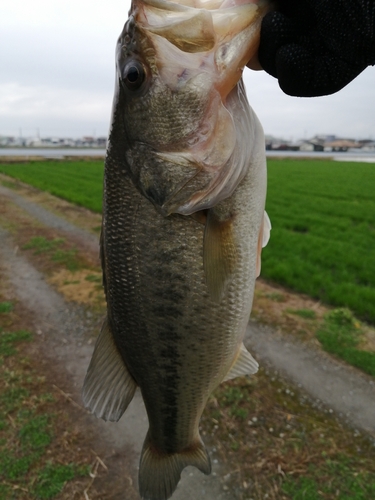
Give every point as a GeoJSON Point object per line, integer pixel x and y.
{"type": "Point", "coordinates": [66, 312]}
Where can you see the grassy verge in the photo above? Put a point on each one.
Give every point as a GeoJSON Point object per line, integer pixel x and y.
{"type": "Point", "coordinates": [341, 334]}
{"type": "Point", "coordinates": [52, 249]}
{"type": "Point", "coordinates": [68, 270]}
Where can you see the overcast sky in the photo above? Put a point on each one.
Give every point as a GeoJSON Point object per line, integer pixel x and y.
{"type": "Point", "coordinates": [57, 76]}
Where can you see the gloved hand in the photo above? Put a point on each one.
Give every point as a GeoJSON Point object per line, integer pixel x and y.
{"type": "Point", "coordinates": [316, 47]}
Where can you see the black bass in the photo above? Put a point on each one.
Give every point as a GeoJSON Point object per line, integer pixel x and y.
{"type": "Point", "coordinates": [183, 225]}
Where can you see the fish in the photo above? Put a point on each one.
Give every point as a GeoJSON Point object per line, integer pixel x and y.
{"type": "Point", "coordinates": [183, 225]}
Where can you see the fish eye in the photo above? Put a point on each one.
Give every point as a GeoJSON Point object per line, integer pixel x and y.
{"type": "Point", "coordinates": [133, 75]}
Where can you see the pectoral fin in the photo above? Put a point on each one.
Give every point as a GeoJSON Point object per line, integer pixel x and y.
{"type": "Point", "coordinates": [263, 238]}
{"type": "Point", "coordinates": [245, 364]}
{"type": "Point", "coordinates": [108, 387]}
{"type": "Point", "coordinates": [219, 254]}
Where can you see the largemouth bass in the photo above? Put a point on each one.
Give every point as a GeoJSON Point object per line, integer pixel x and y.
{"type": "Point", "coordinates": [183, 225]}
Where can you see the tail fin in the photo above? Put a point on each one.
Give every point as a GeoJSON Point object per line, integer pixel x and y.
{"type": "Point", "coordinates": [160, 473]}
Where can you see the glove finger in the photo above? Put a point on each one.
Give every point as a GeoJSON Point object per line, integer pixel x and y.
{"type": "Point", "coordinates": [276, 31]}
{"type": "Point", "coordinates": [300, 10]}
{"type": "Point", "coordinates": [303, 74]}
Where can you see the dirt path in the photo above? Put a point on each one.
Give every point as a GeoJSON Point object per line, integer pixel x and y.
{"type": "Point", "coordinates": [66, 329]}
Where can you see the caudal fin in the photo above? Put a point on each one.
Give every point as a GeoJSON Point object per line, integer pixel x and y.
{"type": "Point", "coordinates": [159, 473]}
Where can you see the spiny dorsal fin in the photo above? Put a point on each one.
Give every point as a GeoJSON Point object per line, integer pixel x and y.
{"type": "Point", "coordinates": [219, 254]}
{"type": "Point", "coordinates": [108, 387]}
{"type": "Point", "coordinates": [245, 364]}
{"type": "Point", "coordinates": [159, 473]}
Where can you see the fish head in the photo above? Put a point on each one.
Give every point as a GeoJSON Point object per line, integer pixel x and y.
{"type": "Point", "coordinates": [178, 67]}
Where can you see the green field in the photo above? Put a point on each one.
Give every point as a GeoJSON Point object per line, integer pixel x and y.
{"type": "Point", "coordinates": [322, 213]}
{"type": "Point", "coordinates": [323, 237]}
{"type": "Point", "coordinates": [80, 182]}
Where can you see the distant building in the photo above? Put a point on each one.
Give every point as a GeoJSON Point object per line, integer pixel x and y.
{"type": "Point", "coordinates": [312, 145]}
{"type": "Point", "coordinates": [341, 145]}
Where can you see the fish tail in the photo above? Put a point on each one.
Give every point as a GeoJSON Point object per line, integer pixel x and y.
{"type": "Point", "coordinates": [159, 473]}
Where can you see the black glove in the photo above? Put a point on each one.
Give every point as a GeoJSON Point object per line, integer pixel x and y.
{"type": "Point", "coordinates": [316, 47]}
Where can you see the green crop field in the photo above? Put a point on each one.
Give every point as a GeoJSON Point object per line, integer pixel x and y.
{"type": "Point", "coordinates": [323, 237]}
{"type": "Point", "coordinates": [80, 182]}
{"type": "Point", "coordinates": [322, 213]}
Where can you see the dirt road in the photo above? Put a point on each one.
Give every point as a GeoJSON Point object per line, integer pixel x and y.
{"type": "Point", "coordinates": [65, 328]}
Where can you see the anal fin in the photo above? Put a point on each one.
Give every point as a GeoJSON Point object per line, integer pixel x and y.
{"type": "Point", "coordinates": [108, 387]}
{"type": "Point", "coordinates": [245, 364]}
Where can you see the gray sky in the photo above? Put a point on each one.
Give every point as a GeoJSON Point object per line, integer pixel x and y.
{"type": "Point", "coordinates": [57, 75]}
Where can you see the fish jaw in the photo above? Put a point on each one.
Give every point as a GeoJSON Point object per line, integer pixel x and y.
{"type": "Point", "coordinates": [192, 60]}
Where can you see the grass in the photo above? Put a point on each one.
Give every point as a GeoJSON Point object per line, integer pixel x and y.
{"type": "Point", "coordinates": [27, 467]}
{"type": "Point", "coordinates": [323, 235]}
{"type": "Point", "coordinates": [303, 313]}
{"type": "Point", "coordinates": [5, 307]}
{"type": "Point", "coordinates": [52, 248]}
{"type": "Point", "coordinates": [342, 483]}
{"type": "Point", "coordinates": [52, 478]}
{"type": "Point", "coordinates": [80, 182]}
